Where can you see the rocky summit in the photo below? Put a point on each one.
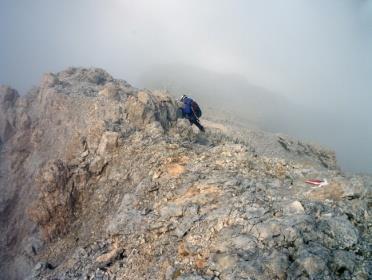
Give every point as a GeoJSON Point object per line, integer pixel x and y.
{"type": "Point", "coordinates": [100, 180]}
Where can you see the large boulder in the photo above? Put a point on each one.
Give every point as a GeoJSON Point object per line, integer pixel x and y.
{"type": "Point", "coordinates": [145, 108]}
{"type": "Point", "coordinates": [338, 232]}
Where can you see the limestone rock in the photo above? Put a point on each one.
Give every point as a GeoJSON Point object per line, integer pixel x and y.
{"type": "Point", "coordinates": [109, 91]}
{"type": "Point", "coordinates": [294, 207]}
{"type": "Point", "coordinates": [49, 80]}
{"type": "Point", "coordinates": [97, 165]}
{"type": "Point", "coordinates": [343, 262]}
{"type": "Point", "coordinates": [100, 180]}
{"type": "Point", "coordinates": [55, 207]}
{"type": "Point", "coordinates": [8, 97]}
{"type": "Point", "coordinates": [339, 232]}
{"type": "Point", "coordinates": [108, 143]}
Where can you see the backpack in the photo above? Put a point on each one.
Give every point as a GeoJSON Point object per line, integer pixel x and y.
{"type": "Point", "coordinates": [196, 109]}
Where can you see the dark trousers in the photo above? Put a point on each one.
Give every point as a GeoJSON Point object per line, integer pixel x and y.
{"type": "Point", "coordinates": [197, 123]}
{"type": "Point", "coordinates": [193, 120]}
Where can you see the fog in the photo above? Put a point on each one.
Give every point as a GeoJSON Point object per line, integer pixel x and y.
{"type": "Point", "coordinates": [314, 57]}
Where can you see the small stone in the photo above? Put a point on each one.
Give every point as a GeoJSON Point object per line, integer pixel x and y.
{"type": "Point", "coordinates": [97, 165]}
{"type": "Point", "coordinates": [171, 210]}
{"type": "Point", "coordinates": [108, 143]}
{"type": "Point", "coordinates": [225, 261]}
{"type": "Point", "coordinates": [294, 208]}
{"type": "Point", "coordinates": [24, 122]}
{"type": "Point", "coordinates": [109, 91]}
{"type": "Point", "coordinates": [169, 273]}
{"type": "Point", "coordinates": [343, 260]}
{"type": "Point", "coordinates": [105, 259]}
{"type": "Point", "coordinates": [308, 264]}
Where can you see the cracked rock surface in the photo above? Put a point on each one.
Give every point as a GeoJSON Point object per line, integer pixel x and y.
{"type": "Point", "coordinates": [100, 180]}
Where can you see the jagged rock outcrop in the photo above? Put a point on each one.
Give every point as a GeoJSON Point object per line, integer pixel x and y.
{"type": "Point", "coordinates": [100, 180]}
{"type": "Point", "coordinates": [8, 98]}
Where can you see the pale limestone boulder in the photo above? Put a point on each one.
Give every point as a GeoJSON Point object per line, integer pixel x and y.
{"type": "Point", "coordinates": [109, 141]}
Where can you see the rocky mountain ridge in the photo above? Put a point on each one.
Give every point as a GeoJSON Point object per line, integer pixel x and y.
{"type": "Point", "coordinates": [100, 180]}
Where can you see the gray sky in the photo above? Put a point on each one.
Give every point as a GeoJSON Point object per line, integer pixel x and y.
{"type": "Point", "coordinates": [315, 52]}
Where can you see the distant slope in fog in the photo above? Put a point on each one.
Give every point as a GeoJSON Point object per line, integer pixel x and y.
{"type": "Point", "coordinates": [251, 104]}
{"type": "Point", "coordinates": [231, 93]}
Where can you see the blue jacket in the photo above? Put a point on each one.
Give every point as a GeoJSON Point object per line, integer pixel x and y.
{"type": "Point", "coordinates": [187, 109]}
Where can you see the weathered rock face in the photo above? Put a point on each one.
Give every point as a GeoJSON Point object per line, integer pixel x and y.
{"type": "Point", "coordinates": [54, 208]}
{"type": "Point", "coordinates": [8, 98]}
{"type": "Point", "coordinates": [100, 180]}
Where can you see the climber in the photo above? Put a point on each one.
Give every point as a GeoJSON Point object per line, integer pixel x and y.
{"type": "Point", "coordinates": [191, 111]}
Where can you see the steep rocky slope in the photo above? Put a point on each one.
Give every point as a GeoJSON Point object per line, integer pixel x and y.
{"type": "Point", "coordinates": [100, 180]}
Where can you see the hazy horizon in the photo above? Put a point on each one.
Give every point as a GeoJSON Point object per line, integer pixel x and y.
{"type": "Point", "coordinates": [314, 53]}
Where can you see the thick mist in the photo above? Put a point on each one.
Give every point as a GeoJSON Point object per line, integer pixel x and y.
{"type": "Point", "coordinates": [313, 58]}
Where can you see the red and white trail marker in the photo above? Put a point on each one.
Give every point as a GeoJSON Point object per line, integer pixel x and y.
{"type": "Point", "coordinates": [317, 182]}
